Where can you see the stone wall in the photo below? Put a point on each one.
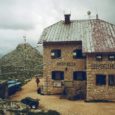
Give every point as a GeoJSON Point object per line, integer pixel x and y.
{"type": "Point", "coordinates": [106, 67]}
{"type": "Point", "coordinates": [52, 65]}
{"type": "Point", "coordinates": [90, 65]}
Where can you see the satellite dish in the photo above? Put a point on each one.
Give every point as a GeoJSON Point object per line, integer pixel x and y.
{"type": "Point", "coordinates": [88, 13]}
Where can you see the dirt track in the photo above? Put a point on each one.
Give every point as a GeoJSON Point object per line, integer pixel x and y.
{"type": "Point", "coordinates": [64, 106]}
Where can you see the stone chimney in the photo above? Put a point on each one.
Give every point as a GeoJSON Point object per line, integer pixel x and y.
{"type": "Point", "coordinates": [67, 18]}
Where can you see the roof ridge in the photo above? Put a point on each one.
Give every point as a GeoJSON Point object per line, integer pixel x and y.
{"type": "Point", "coordinates": [79, 20]}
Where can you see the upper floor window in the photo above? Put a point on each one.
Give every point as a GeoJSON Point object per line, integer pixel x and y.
{"type": "Point", "coordinates": [57, 75]}
{"type": "Point", "coordinates": [56, 53]}
{"type": "Point", "coordinates": [99, 57]}
{"type": "Point", "coordinates": [111, 57]}
{"type": "Point", "coordinates": [79, 75]}
{"type": "Point", "coordinates": [100, 79]}
{"type": "Point", "coordinates": [77, 54]}
{"type": "Point", "coordinates": [111, 79]}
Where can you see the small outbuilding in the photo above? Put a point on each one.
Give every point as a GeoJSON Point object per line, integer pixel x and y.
{"type": "Point", "coordinates": [3, 89]}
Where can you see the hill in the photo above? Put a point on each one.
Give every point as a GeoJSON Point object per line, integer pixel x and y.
{"type": "Point", "coordinates": [1, 55]}
{"type": "Point", "coordinates": [23, 61]}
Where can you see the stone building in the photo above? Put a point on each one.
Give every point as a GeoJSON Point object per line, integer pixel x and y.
{"type": "Point", "coordinates": [80, 55]}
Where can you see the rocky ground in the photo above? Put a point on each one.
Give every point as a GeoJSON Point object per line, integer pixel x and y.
{"type": "Point", "coordinates": [65, 107]}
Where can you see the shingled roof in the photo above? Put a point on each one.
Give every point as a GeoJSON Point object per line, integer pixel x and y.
{"type": "Point", "coordinates": [96, 35]}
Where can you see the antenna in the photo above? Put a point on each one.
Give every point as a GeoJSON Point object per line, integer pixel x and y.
{"type": "Point", "coordinates": [97, 13]}
{"type": "Point", "coordinates": [24, 37]}
{"type": "Point", "coordinates": [97, 17]}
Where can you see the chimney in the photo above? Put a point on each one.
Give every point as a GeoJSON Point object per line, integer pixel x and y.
{"type": "Point", "coordinates": [67, 18]}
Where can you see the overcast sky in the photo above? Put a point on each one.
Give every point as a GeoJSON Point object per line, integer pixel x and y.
{"type": "Point", "coordinates": [30, 17]}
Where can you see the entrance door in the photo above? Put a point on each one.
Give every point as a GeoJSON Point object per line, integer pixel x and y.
{"type": "Point", "coordinates": [79, 79]}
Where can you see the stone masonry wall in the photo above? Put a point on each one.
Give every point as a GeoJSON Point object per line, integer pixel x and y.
{"type": "Point", "coordinates": [51, 65]}
{"type": "Point", "coordinates": [95, 92]}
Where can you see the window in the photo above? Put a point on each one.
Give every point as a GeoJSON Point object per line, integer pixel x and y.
{"type": "Point", "coordinates": [79, 75]}
{"type": "Point", "coordinates": [77, 54]}
{"type": "Point", "coordinates": [111, 57]}
{"type": "Point", "coordinates": [100, 79]}
{"type": "Point", "coordinates": [111, 79]}
{"type": "Point", "coordinates": [56, 53]}
{"type": "Point", "coordinates": [57, 75]}
{"type": "Point", "coordinates": [98, 57]}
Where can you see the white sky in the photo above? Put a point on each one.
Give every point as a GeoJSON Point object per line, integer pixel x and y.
{"type": "Point", "coordinates": [30, 17]}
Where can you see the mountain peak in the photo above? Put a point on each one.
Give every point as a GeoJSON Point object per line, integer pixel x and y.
{"type": "Point", "coordinates": [23, 45]}
{"type": "Point", "coordinates": [24, 53]}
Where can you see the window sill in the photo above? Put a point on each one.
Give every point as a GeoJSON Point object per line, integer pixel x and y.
{"type": "Point", "coordinates": [78, 58]}
{"type": "Point", "coordinates": [101, 85]}
{"type": "Point", "coordinates": [111, 85]}
{"type": "Point", "coordinates": [56, 58]}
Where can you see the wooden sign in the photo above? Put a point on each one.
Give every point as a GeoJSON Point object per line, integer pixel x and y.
{"type": "Point", "coordinates": [68, 83]}
{"type": "Point", "coordinates": [57, 84]}
{"type": "Point", "coordinates": [66, 63]}
{"type": "Point", "coordinates": [103, 66]}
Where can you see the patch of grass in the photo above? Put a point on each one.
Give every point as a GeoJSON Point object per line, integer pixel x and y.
{"type": "Point", "coordinates": [49, 112]}
{"type": "Point", "coordinates": [1, 112]}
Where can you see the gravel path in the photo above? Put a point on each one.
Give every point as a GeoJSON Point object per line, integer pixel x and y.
{"type": "Point", "coordinates": [65, 107]}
